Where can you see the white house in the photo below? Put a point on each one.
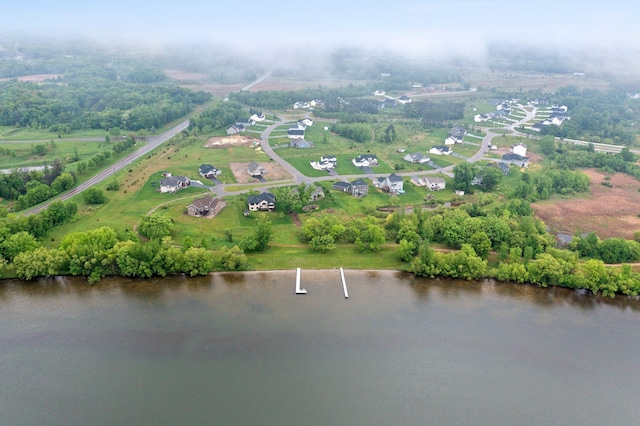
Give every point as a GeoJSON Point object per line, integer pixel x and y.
{"type": "Point", "coordinates": [174, 183]}
{"type": "Point", "coordinates": [367, 160]}
{"type": "Point", "coordinates": [520, 149]}
{"type": "Point", "coordinates": [258, 117]}
{"type": "Point", "coordinates": [441, 150]}
{"type": "Point", "coordinates": [516, 159]}
{"type": "Point", "coordinates": [265, 202]}
{"type": "Point", "coordinates": [306, 121]}
{"type": "Point", "coordinates": [435, 183]}
{"type": "Point", "coordinates": [392, 183]}
{"type": "Point", "coordinates": [325, 163]}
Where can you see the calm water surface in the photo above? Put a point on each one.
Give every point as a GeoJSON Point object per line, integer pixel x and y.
{"type": "Point", "coordinates": [244, 349]}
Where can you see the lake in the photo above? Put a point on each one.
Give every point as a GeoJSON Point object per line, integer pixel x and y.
{"type": "Point", "coordinates": [232, 349]}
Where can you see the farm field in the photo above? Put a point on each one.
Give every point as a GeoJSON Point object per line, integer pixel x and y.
{"type": "Point", "coordinates": [607, 211]}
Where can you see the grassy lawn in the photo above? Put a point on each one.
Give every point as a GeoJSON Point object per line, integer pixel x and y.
{"type": "Point", "coordinates": [291, 257]}
{"type": "Point", "coordinates": [24, 133]}
{"type": "Point", "coordinates": [16, 155]}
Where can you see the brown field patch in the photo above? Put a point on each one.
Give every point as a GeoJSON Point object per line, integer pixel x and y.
{"type": "Point", "coordinates": [181, 75]}
{"type": "Point", "coordinates": [277, 83]}
{"type": "Point", "coordinates": [274, 172]}
{"type": "Point", "coordinates": [233, 140]}
{"type": "Point", "coordinates": [609, 212]}
{"type": "Point", "coordinates": [36, 78]}
{"type": "Point", "coordinates": [531, 81]}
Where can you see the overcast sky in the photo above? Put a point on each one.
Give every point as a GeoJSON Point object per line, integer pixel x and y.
{"type": "Point", "coordinates": [406, 24]}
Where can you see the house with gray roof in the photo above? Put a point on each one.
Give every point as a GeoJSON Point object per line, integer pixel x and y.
{"type": "Point", "coordinates": [417, 158]}
{"type": "Point", "coordinates": [208, 171]}
{"type": "Point", "coordinates": [174, 183]}
{"type": "Point", "coordinates": [516, 159]}
{"type": "Point", "coordinates": [392, 183]}
{"type": "Point", "coordinates": [262, 202]}
{"type": "Point", "coordinates": [205, 206]}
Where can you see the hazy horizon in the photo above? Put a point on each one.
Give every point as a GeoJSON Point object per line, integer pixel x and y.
{"type": "Point", "coordinates": [427, 27]}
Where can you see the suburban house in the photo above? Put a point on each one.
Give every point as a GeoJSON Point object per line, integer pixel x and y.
{"type": "Point", "coordinates": [206, 206]}
{"type": "Point", "coordinates": [359, 188]}
{"type": "Point", "coordinates": [232, 130]}
{"type": "Point", "coordinates": [257, 117]}
{"type": "Point", "coordinates": [404, 99]}
{"type": "Point", "coordinates": [441, 150]}
{"type": "Point", "coordinates": [520, 149]}
{"type": "Point", "coordinates": [306, 121]}
{"type": "Point", "coordinates": [295, 134]}
{"type": "Point", "coordinates": [316, 194]}
{"type": "Point", "coordinates": [208, 171]}
{"type": "Point", "coordinates": [174, 183]}
{"type": "Point", "coordinates": [456, 134]}
{"type": "Point", "coordinates": [325, 163]}
{"type": "Point", "coordinates": [435, 183]}
{"type": "Point", "coordinates": [342, 186]}
{"type": "Point", "coordinates": [246, 122]}
{"type": "Point", "coordinates": [255, 170]}
{"type": "Point", "coordinates": [366, 160]}
{"type": "Point", "coordinates": [263, 202]}
{"type": "Point", "coordinates": [516, 159]}
{"type": "Point", "coordinates": [417, 158]}
{"type": "Point", "coordinates": [392, 183]}
{"type": "Point", "coordinates": [301, 143]}
{"type": "Point", "coordinates": [298, 126]}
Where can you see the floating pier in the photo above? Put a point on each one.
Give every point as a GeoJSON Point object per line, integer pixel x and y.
{"type": "Point", "coordinates": [298, 289]}
{"type": "Point", "coordinates": [344, 284]}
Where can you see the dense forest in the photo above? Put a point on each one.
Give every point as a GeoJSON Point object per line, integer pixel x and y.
{"type": "Point", "coordinates": [98, 102]}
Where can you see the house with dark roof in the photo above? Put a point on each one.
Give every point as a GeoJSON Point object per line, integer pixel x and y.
{"type": "Point", "coordinates": [359, 188]}
{"type": "Point", "coordinates": [342, 186]}
{"type": "Point", "coordinates": [516, 159]}
{"type": "Point", "coordinates": [205, 206]}
{"type": "Point", "coordinates": [262, 202]}
{"type": "Point", "coordinates": [457, 133]}
{"type": "Point", "coordinates": [174, 183]}
{"type": "Point", "coordinates": [255, 170]}
{"type": "Point", "coordinates": [246, 122]}
{"type": "Point", "coordinates": [295, 134]}
{"type": "Point", "coordinates": [208, 171]}
{"type": "Point", "coordinates": [404, 99]}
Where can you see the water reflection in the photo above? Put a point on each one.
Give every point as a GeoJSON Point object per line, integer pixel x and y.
{"type": "Point", "coordinates": [155, 289]}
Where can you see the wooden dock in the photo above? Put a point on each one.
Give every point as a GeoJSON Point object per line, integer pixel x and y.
{"type": "Point", "coordinates": [298, 289]}
{"type": "Point", "coordinates": [344, 284]}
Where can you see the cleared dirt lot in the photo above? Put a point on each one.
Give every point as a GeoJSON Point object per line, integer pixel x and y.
{"type": "Point", "coordinates": [232, 140]}
{"type": "Point", "coordinates": [274, 172]}
{"type": "Point", "coordinates": [609, 212]}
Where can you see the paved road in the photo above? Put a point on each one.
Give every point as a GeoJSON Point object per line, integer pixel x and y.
{"type": "Point", "coordinates": [152, 143]}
